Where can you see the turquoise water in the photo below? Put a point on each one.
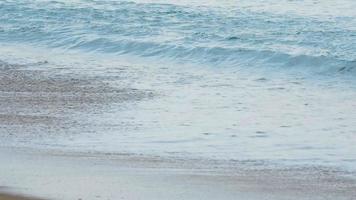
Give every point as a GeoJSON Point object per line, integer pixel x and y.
{"type": "Point", "coordinates": [314, 34]}
{"type": "Point", "coordinates": [269, 81]}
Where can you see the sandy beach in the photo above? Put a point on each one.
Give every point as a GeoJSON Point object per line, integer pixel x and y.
{"type": "Point", "coordinates": [59, 175]}
{"type": "Point", "coordinates": [177, 100]}
{"type": "Point", "coordinates": [36, 104]}
{"type": "Point", "coordinates": [14, 197]}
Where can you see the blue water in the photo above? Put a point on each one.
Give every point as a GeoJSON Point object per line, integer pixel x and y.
{"type": "Point", "coordinates": [259, 80]}
{"type": "Point", "coordinates": [315, 34]}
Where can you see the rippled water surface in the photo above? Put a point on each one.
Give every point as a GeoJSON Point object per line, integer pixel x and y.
{"type": "Point", "coordinates": [233, 80]}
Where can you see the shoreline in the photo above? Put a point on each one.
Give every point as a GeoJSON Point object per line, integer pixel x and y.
{"type": "Point", "coordinates": [52, 176]}
{"type": "Point", "coordinates": [45, 108]}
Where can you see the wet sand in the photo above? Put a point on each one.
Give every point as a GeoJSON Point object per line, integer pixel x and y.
{"type": "Point", "coordinates": [15, 197]}
{"type": "Point", "coordinates": [54, 92]}
{"type": "Point", "coordinates": [60, 175]}
{"type": "Point", "coordinates": [42, 102]}
{"type": "Point", "coordinates": [32, 99]}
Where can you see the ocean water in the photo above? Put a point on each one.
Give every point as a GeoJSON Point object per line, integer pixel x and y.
{"type": "Point", "coordinates": [259, 81]}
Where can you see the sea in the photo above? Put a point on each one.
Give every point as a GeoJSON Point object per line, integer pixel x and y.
{"type": "Point", "coordinates": [247, 82]}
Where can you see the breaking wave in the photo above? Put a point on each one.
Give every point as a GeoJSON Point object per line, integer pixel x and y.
{"type": "Point", "coordinates": [221, 37]}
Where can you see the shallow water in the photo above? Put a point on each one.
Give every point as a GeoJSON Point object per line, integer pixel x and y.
{"type": "Point", "coordinates": [250, 81]}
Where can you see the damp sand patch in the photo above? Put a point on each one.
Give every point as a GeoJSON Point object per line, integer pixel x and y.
{"type": "Point", "coordinates": [17, 119]}
{"type": "Point", "coordinates": [15, 197]}
{"type": "Point", "coordinates": [34, 96]}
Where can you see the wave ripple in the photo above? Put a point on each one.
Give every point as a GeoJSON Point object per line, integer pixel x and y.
{"type": "Point", "coordinates": [237, 35]}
